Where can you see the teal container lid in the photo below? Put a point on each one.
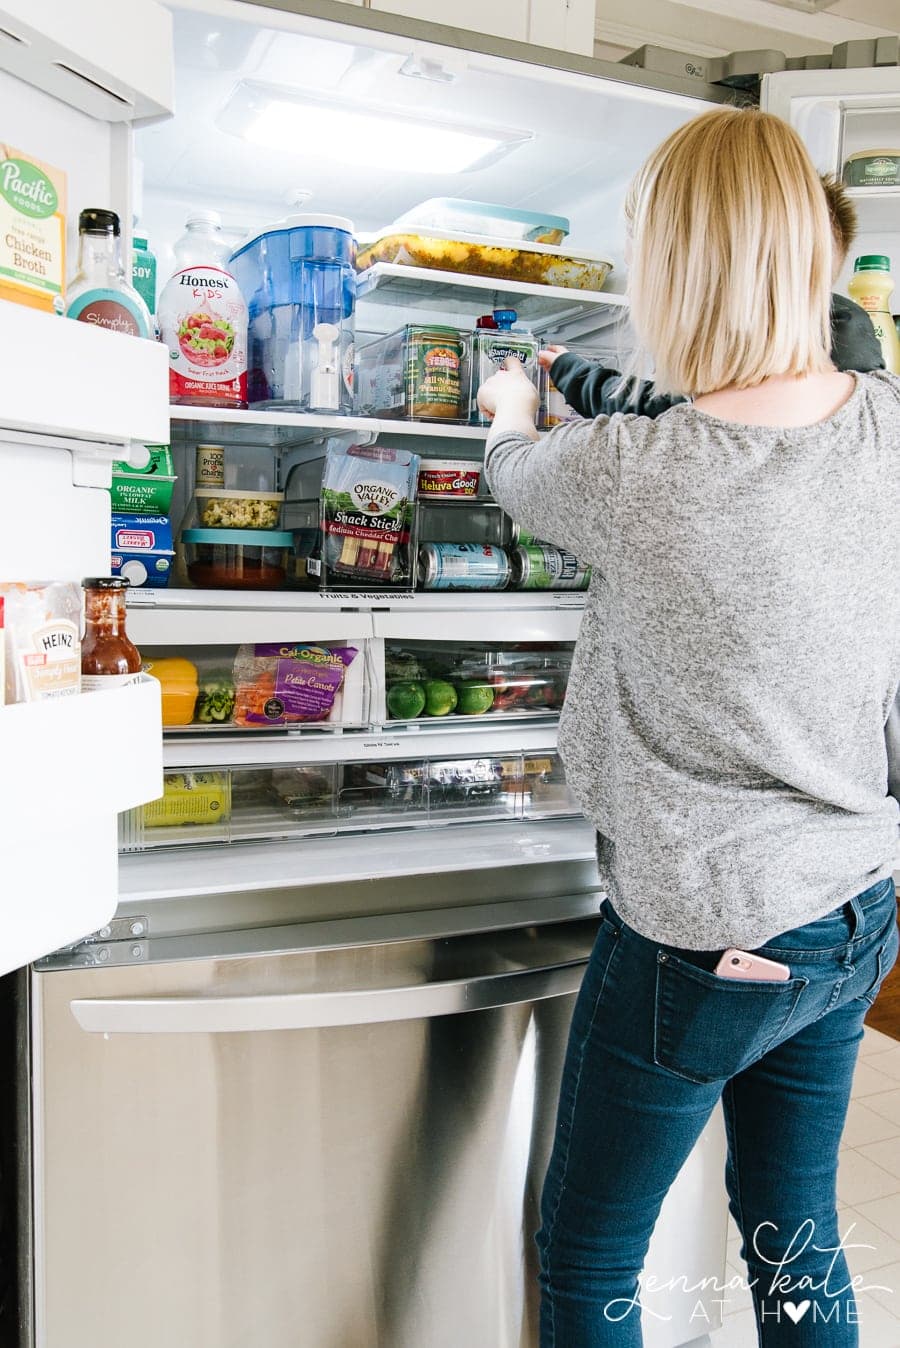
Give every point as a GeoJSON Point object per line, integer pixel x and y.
{"type": "Point", "coordinates": [872, 262]}
{"type": "Point", "coordinates": [248, 538]}
{"type": "Point", "coordinates": [139, 242]}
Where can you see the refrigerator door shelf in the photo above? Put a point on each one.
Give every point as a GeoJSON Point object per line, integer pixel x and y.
{"type": "Point", "coordinates": [68, 767]}
{"type": "Point", "coordinates": [85, 389]}
{"type": "Point", "coordinates": [114, 72]}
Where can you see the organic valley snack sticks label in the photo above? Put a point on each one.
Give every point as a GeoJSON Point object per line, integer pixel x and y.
{"type": "Point", "coordinates": [32, 231]}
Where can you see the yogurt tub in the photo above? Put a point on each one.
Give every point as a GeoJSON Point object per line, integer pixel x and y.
{"type": "Point", "coordinates": [448, 478]}
{"type": "Point", "coordinates": [237, 559]}
{"type": "Point", "coordinates": [873, 168]}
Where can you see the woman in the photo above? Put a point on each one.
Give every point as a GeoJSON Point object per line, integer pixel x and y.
{"type": "Point", "coordinates": [724, 731]}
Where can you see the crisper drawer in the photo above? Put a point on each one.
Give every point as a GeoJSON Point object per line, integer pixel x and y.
{"type": "Point", "coordinates": [430, 680]}
{"type": "Point", "coordinates": [271, 686]}
{"type": "Point", "coordinates": [292, 801]}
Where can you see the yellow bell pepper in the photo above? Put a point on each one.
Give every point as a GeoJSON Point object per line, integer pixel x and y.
{"type": "Point", "coordinates": [180, 686]}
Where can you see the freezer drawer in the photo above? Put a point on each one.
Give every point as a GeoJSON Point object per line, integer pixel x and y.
{"type": "Point", "coordinates": [307, 1150]}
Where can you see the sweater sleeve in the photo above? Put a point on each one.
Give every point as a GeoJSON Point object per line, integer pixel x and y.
{"type": "Point", "coordinates": [593, 390]}
{"type": "Point", "coordinates": [892, 743]}
{"type": "Point", "coordinates": [562, 487]}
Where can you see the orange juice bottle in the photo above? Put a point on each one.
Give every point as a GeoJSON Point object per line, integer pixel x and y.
{"type": "Point", "coordinates": [872, 285]}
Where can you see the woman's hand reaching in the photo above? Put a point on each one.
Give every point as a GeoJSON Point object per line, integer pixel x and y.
{"type": "Point", "coordinates": [509, 391]}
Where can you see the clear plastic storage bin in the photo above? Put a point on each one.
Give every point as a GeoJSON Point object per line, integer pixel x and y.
{"type": "Point", "coordinates": [306, 800]}
{"type": "Point", "coordinates": [415, 373]}
{"type": "Point", "coordinates": [454, 214]}
{"type": "Point", "coordinates": [426, 681]}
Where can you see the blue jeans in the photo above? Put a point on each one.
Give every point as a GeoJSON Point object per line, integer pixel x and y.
{"type": "Point", "coordinates": [657, 1039]}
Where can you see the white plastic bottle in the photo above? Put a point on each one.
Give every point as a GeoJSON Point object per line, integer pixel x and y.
{"type": "Point", "coordinates": [203, 320]}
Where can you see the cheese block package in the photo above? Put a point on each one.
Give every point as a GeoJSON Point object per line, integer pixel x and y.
{"type": "Point", "coordinates": [42, 627]}
{"type": "Point", "coordinates": [32, 231]}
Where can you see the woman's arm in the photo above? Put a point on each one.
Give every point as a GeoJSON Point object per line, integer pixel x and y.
{"type": "Point", "coordinates": [560, 486]}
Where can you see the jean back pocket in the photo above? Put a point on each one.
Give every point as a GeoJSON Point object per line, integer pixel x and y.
{"type": "Point", "coordinates": [708, 1028]}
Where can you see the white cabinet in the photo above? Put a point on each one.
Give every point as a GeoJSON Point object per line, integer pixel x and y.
{"type": "Point", "coordinates": [566, 25]}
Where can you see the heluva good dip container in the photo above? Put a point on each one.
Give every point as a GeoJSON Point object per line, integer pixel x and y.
{"type": "Point", "coordinates": [448, 478]}
{"type": "Point", "coordinates": [237, 559]}
{"type": "Point", "coordinates": [873, 168]}
{"type": "Point", "coordinates": [221, 508]}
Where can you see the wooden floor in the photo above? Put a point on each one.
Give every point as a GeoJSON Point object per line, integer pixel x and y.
{"type": "Point", "coordinates": [885, 1014]}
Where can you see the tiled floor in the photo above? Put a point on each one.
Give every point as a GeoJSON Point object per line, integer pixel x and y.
{"type": "Point", "coordinates": [868, 1198]}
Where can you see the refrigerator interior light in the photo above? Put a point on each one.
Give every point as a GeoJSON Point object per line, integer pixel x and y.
{"type": "Point", "coordinates": [362, 136]}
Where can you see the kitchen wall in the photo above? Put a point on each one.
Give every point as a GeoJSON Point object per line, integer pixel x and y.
{"type": "Point", "coordinates": [714, 27]}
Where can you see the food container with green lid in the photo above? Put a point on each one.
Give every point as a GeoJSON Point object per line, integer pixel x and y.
{"type": "Point", "coordinates": [873, 168]}
{"type": "Point", "coordinates": [237, 559]}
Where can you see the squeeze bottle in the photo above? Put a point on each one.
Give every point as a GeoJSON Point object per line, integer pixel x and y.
{"type": "Point", "coordinates": [872, 285]}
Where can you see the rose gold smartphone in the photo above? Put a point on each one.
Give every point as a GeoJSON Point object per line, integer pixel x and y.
{"type": "Point", "coordinates": [741, 964]}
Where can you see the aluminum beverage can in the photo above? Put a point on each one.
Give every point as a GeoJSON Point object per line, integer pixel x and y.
{"type": "Point", "coordinates": [463, 566]}
{"type": "Point", "coordinates": [540, 567]}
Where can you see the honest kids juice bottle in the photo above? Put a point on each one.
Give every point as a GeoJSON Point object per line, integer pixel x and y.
{"type": "Point", "coordinates": [872, 285]}
{"type": "Point", "coordinates": [203, 320]}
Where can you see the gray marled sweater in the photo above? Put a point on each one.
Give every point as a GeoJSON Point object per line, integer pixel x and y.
{"type": "Point", "coordinates": [739, 654]}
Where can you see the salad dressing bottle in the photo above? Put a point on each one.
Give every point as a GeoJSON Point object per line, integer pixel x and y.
{"type": "Point", "coordinates": [109, 659]}
{"type": "Point", "coordinates": [872, 285]}
{"type": "Point", "coordinates": [99, 293]}
{"type": "Point", "coordinates": [203, 320]}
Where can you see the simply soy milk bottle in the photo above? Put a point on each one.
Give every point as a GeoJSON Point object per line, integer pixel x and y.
{"type": "Point", "coordinates": [872, 285]}
{"type": "Point", "coordinates": [203, 320]}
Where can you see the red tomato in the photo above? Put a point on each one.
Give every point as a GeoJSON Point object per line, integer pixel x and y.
{"type": "Point", "coordinates": [194, 321]}
{"type": "Point", "coordinates": [220, 350]}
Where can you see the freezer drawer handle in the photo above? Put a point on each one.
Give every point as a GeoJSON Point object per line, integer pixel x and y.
{"type": "Point", "coordinates": [319, 1010]}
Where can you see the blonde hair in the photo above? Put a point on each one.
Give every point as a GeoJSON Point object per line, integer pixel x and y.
{"type": "Point", "coordinates": [731, 255]}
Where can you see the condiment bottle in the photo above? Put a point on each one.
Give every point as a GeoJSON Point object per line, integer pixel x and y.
{"type": "Point", "coordinates": [143, 272]}
{"type": "Point", "coordinates": [99, 293]}
{"type": "Point", "coordinates": [493, 340]}
{"type": "Point", "coordinates": [109, 659]}
{"type": "Point", "coordinates": [872, 285]}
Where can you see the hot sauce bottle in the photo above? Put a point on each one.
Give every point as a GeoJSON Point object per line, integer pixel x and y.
{"type": "Point", "coordinates": [108, 659]}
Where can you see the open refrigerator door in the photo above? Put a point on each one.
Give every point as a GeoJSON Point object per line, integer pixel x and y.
{"type": "Point", "coordinates": [74, 398]}
{"type": "Point", "coordinates": [850, 122]}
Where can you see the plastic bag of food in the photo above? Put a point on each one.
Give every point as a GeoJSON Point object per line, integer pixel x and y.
{"type": "Point", "coordinates": [43, 639]}
{"type": "Point", "coordinates": [368, 513]}
{"type": "Point", "coordinates": [284, 684]}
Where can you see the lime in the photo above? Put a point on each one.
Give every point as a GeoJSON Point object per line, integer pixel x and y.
{"type": "Point", "coordinates": [474, 698]}
{"type": "Point", "coordinates": [440, 697]}
{"type": "Point", "coordinates": [405, 701]}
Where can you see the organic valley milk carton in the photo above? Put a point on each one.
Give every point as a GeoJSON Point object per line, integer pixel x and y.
{"type": "Point", "coordinates": [32, 231]}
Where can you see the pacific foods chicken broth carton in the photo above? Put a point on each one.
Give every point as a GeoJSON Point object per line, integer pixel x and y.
{"type": "Point", "coordinates": [32, 231]}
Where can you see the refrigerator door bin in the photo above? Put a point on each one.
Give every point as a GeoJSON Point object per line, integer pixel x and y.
{"type": "Point", "coordinates": [70, 765]}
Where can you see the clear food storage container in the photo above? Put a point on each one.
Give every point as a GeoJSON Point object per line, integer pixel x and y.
{"type": "Point", "coordinates": [220, 508]}
{"type": "Point", "coordinates": [414, 373]}
{"type": "Point", "coordinates": [474, 255]}
{"type": "Point", "coordinates": [454, 215]}
{"type": "Point", "coordinates": [237, 559]}
{"type": "Point", "coordinates": [426, 680]}
{"type": "Point", "coordinates": [299, 280]}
